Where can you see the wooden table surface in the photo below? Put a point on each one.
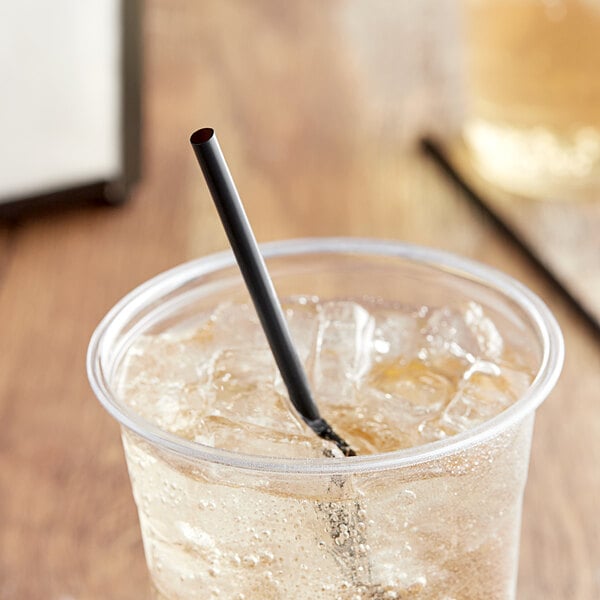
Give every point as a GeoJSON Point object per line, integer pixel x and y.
{"type": "Point", "coordinates": [318, 148]}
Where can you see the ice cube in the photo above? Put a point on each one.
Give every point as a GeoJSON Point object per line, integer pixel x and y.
{"type": "Point", "coordinates": [395, 335]}
{"type": "Point", "coordinates": [446, 333]}
{"type": "Point", "coordinates": [301, 316]}
{"type": "Point", "coordinates": [341, 355]}
{"type": "Point", "coordinates": [396, 405]}
{"type": "Point", "coordinates": [479, 398]}
{"type": "Point", "coordinates": [242, 386]}
{"type": "Point", "coordinates": [159, 357]}
{"type": "Point", "coordinates": [466, 334]}
{"type": "Point", "coordinates": [488, 338]}
{"type": "Point", "coordinates": [423, 389]}
{"type": "Point", "coordinates": [236, 326]}
{"type": "Point", "coordinates": [157, 375]}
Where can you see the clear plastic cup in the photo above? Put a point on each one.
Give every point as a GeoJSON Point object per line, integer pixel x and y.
{"type": "Point", "coordinates": [437, 521]}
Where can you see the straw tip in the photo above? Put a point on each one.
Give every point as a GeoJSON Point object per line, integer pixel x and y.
{"type": "Point", "coordinates": [201, 136]}
{"type": "Point", "coordinates": [323, 429]}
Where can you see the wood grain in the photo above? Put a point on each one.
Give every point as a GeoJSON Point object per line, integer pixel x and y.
{"type": "Point", "coordinates": [313, 154]}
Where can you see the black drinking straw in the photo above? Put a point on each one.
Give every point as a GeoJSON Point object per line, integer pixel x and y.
{"type": "Point", "coordinates": [259, 284]}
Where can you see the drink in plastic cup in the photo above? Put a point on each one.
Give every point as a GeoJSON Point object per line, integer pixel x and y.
{"type": "Point", "coordinates": [533, 121]}
{"type": "Point", "coordinates": [242, 507]}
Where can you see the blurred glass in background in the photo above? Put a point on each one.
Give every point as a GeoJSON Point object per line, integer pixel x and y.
{"type": "Point", "coordinates": [533, 95]}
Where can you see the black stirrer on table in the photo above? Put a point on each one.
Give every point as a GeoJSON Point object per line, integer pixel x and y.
{"type": "Point", "coordinates": [259, 284]}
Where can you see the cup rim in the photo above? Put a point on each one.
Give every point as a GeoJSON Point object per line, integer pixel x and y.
{"type": "Point", "coordinates": [535, 309]}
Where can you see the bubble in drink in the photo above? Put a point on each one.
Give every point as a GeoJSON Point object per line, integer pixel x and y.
{"type": "Point", "coordinates": [387, 378]}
